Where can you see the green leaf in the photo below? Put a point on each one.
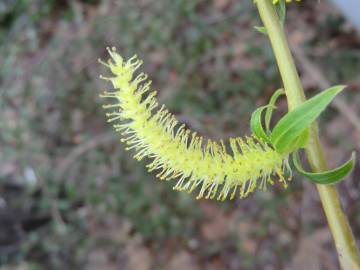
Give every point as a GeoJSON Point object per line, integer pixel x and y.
{"type": "Point", "coordinates": [294, 123]}
{"type": "Point", "coordinates": [269, 110]}
{"type": "Point", "coordinates": [256, 125]}
{"type": "Point", "coordinates": [328, 177]}
{"type": "Point", "coordinates": [302, 140]}
{"type": "Point", "coordinates": [261, 29]}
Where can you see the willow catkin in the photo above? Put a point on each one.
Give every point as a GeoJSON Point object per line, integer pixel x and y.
{"type": "Point", "coordinates": [178, 153]}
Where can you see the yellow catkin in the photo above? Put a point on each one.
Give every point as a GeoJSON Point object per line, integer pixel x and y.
{"type": "Point", "coordinates": [178, 153]}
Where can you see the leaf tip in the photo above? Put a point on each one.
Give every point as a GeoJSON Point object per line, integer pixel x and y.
{"type": "Point", "coordinates": [339, 88]}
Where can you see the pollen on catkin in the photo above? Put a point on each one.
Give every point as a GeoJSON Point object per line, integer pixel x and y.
{"type": "Point", "coordinates": [178, 153]}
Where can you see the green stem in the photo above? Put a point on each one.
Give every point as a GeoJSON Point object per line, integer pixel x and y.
{"type": "Point", "coordinates": [344, 240]}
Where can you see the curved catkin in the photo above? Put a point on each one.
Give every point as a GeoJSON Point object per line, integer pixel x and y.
{"type": "Point", "coordinates": [178, 153]}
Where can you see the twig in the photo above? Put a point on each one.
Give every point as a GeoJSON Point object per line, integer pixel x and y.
{"type": "Point", "coordinates": [65, 165]}
{"type": "Point", "coordinates": [80, 150]}
{"type": "Point", "coordinates": [345, 243]}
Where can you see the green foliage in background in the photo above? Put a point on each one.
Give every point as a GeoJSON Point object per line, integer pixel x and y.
{"type": "Point", "coordinates": [55, 152]}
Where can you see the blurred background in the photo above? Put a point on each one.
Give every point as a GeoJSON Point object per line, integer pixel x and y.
{"type": "Point", "coordinates": [71, 198]}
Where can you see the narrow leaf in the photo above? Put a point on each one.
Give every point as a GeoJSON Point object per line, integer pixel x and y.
{"type": "Point", "coordinates": [299, 142]}
{"type": "Point", "coordinates": [256, 125]}
{"type": "Point", "coordinates": [328, 177]}
{"type": "Point", "coordinates": [261, 29]}
{"type": "Point", "coordinates": [269, 110]}
{"type": "Point", "coordinates": [290, 127]}
{"type": "Point", "coordinates": [302, 140]}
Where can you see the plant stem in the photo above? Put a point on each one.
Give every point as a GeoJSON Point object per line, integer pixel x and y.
{"type": "Point", "coordinates": [344, 240]}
